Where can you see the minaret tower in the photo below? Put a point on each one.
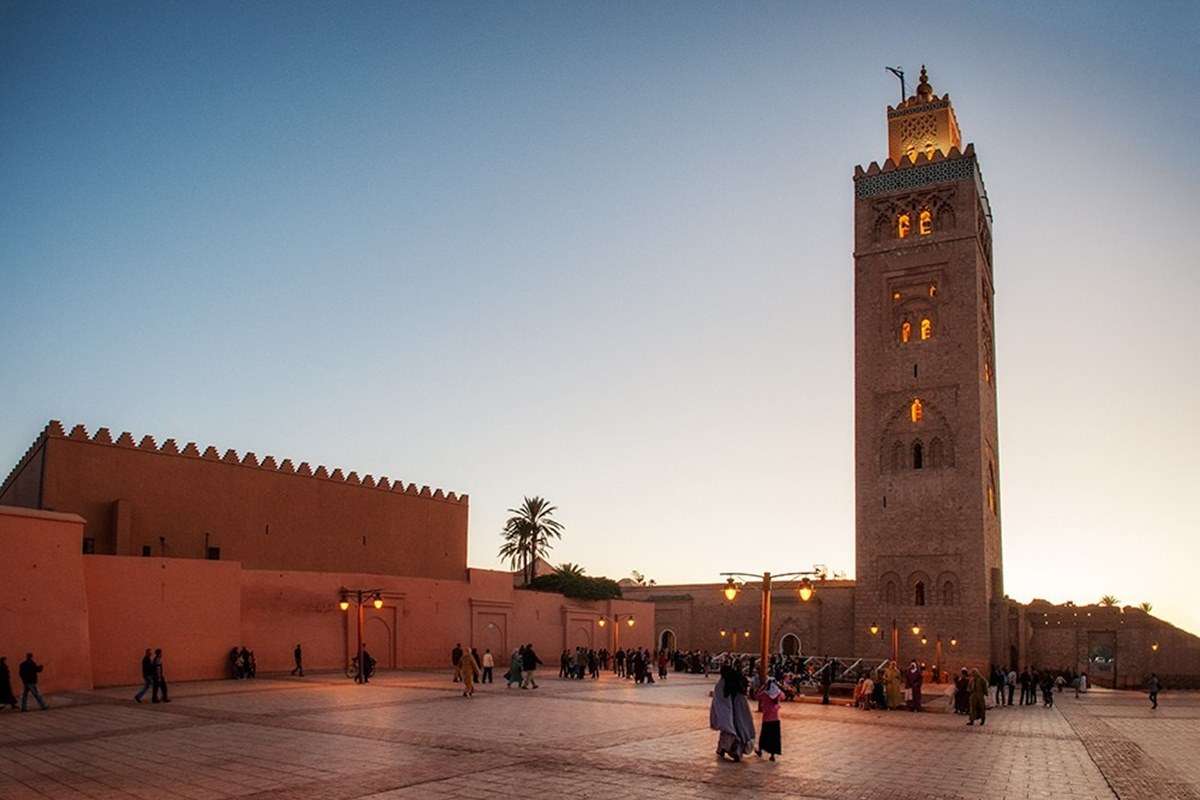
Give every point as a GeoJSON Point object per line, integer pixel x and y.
{"type": "Point", "coordinates": [926, 455]}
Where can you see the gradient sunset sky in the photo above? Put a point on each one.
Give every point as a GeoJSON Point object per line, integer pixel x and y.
{"type": "Point", "coordinates": [602, 253]}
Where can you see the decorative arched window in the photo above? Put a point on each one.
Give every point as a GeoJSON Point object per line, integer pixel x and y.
{"type": "Point", "coordinates": [905, 331]}
{"type": "Point", "coordinates": [991, 488]}
{"type": "Point", "coordinates": [926, 329]}
{"type": "Point", "coordinates": [916, 411]}
{"type": "Point", "coordinates": [933, 290]}
{"type": "Point", "coordinates": [918, 455]}
{"type": "Point", "coordinates": [898, 460]}
{"type": "Point", "coordinates": [948, 593]}
{"type": "Point", "coordinates": [935, 454]}
{"type": "Point", "coordinates": [889, 593]}
{"type": "Point", "coordinates": [919, 594]}
{"type": "Point", "coordinates": [903, 226]}
{"type": "Point", "coordinates": [926, 222]}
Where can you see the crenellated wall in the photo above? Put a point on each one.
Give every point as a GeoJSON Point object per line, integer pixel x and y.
{"type": "Point", "coordinates": [142, 498]}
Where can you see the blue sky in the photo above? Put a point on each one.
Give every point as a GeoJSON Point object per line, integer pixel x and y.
{"type": "Point", "coordinates": [602, 253]}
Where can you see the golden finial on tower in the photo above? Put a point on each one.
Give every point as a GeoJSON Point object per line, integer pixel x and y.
{"type": "Point", "coordinates": [924, 90]}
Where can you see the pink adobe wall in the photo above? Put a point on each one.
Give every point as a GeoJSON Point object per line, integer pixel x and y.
{"type": "Point", "coordinates": [190, 608]}
{"type": "Point", "coordinates": [43, 607]}
{"type": "Point", "coordinates": [266, 515]}
{"type": "Point", "coordinates": [420, 623]}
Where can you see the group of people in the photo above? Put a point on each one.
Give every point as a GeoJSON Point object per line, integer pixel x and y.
{"type": "Point", "coordinates": [574, 664]}
{"type": "Point", "coordinates": [154, 679]}
{"type": "Point", "coordinates": [468, 664]}
{"type": "Point", "coordinates": [521, 668]}
{"type": "Point", "coordinates": [889, 687]}
{"type": "Point", "coordinates": [242, 664]}
{"type": "Point", "coordinates": [729, 714]}
{"type": "Point", "coordinates": [28, 671]}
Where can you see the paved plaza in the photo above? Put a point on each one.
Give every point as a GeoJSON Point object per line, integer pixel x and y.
{"type": "Point", "coordinates": [410, 735]}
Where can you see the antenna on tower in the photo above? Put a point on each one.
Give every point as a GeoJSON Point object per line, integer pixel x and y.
{"type": "Point", "coordinates": [899, 73]}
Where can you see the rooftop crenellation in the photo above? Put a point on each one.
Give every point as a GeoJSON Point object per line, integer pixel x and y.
{"type": "Point", "coordinates": [249, 460]}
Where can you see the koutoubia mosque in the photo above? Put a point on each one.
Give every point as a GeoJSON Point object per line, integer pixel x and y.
{"type": "Point", "coordinates": [117, 542]}
{"type": "Point", "coordinates": [929, 570]}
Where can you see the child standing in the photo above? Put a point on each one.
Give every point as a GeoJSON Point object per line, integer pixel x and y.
{"type": "Point", "coordinates": [769, 738]}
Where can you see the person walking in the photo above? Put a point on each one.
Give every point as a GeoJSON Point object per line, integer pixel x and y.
{"type": "Point", "coordinates": [468, 668]}
{"type": "Point", "coordinates": [1081, 685]}
{"type": "Point", "coordinates": [1152, 686]}
{"type": "Point", "coordinates": [7, 698]}
{"type": "Point", "coordinates": [729, 714]}
{"type": "Point", "coordinates": [1010, 683]}
{"type": "Point", "coordinates": [160, 679]}
{"type": "Point", "coordinates": [489, 663]}
{"type": "Point", "coordinates": [826, 680]}
{"type": "Point", "coordinates": [513, 678]}
{"type": "Point", "coordinates": [29, 671]}
{"type": "Point", "coordinates": [298, 657]}
{"type": "Point", "coordinates": [770, 739]}
{"type": "Point", "coordinates": [529, 665]}
{"type": "Point", "coordinates": [914, 678]}
{"type": "Point", "coordinates": [367, 666]}
{"type": "Point", "coordinates": [977, 704]}
{"type": "Point", "coordinates": [147, 675]}
{"type": "Point", "coordinates": [456, 659]}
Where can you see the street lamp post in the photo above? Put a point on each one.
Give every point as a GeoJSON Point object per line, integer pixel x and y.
{"type": "Point", "coordinates": [804, 591]}
{"type": "Point", "coordinates": [359, 597]}
{"type": "Point", "coordinates": [616, 618]}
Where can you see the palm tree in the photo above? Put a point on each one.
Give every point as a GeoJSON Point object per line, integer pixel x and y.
{"type": "Point", "coordinates": [1147, 607]}
{"type": "Point", "coordinates": [1109, 600]}
{"type": "Point", "coordinates": [527, 534]}
{"type": "Point", "coordinates": [569, 570]}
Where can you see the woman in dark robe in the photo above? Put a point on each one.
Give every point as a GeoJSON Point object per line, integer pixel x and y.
{"type": "Point", "coordinates": [978, 692]}
{"type": "Point", "coordinates": [962, 691]}
{"type": "Point", "coordinates": [730, 714]}
{"type": "Point", "coordinates": [7, 698]}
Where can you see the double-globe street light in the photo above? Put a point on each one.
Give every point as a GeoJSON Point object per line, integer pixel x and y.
{"type": "Point", "coordinates": [616, 618]}
{"type": "Point", "coordinates": [804, 590]}
{"type": "Point", "coordinates": [359, 598]}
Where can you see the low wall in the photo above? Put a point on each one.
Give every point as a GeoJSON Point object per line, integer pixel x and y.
{"type": "Point", "coordinates": [188, 607]}
{"type": "Point", "coordinates": [89, 618]}
{"type": "Point", "coordinates": [43, 608]}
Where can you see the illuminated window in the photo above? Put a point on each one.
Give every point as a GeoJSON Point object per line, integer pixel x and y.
{"type": "Point", "coordinates": [987, 372]}
{"type": "Point", "coordinates": [903, 225]}
{"type": "Point", "coordinates": [915, 410]}
{"type": "Point", "coordinates": [895, 297]}
{"type": "Point", "coordinates": [933, 290]}
{"type": "Point", "coordinates": [918, 456]}
{"type": "Point", "coordinates": [926, 329]}
{"type": "Point", "coordinates": [905, 331]}
{"type": "Point", "coordinates": [991, 489]}
{"type": "Point", "coordinates": [926, 222]}
{"type": "Point", "coordinates": [919, 594]}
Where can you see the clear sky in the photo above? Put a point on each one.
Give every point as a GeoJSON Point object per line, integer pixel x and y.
{"type": "Point", "coordinates": [602, 253]}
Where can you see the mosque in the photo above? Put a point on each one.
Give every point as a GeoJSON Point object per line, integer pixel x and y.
{"type": "Point", "coordinates": [930, 576]}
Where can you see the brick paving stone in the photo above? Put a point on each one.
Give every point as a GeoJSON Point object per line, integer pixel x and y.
{"type": "Point", "coordinates": [409, 735]}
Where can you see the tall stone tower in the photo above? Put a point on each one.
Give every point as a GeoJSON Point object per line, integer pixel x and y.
{"type": "Point", "coordinates": [926, 457]}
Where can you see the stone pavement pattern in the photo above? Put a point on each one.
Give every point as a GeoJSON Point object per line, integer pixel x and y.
{"type": "Point", "coordinates": [410, 735]}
